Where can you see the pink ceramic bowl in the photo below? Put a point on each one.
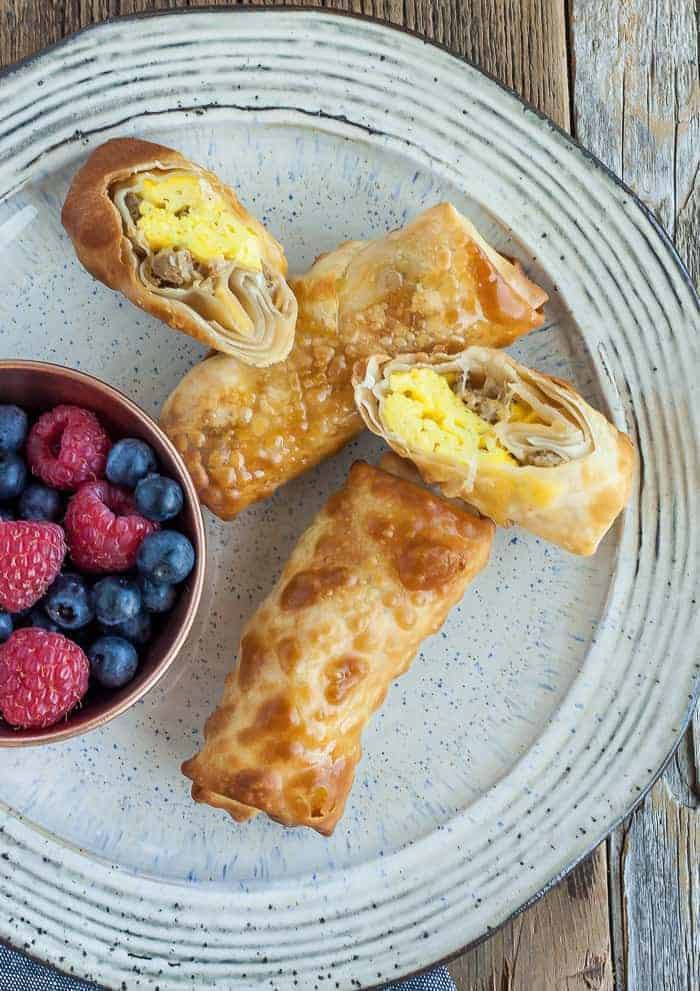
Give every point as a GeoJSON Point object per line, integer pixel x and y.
{"type": "Point", "coordinates": [37, 386]}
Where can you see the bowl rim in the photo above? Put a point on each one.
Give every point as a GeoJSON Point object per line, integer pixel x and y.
{"type": "Point", "coordinates": [66, 731]}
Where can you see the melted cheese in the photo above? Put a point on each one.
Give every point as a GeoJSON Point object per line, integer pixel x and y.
{"type": "Point", "coordinates": [182, 211]}
{"type": "Point", "coordinates": [425, 413]}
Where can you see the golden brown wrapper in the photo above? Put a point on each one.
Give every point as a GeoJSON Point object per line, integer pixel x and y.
{"type": "Point", "coordinates": [260, 311]}
{"type": "Point", "coordinates": [375, 574]}
{"type": "Point", "coordinates": [572, 503]}
{"type": "Point", "coordinates": [434, 285]}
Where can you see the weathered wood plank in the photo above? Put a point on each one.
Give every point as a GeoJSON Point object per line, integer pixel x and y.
{"type": "Point", "coordinates": [618, 923]}
{"type": "Point", "coordinates": [638, 103]}
{"type": "Point", "coordinates": [560, 944]}
{"type": "Point", "coordinates": [522, 42]}
{"type": "Point", "coordinates": [660, 878]}
{"type": "Point", "coordinates": [637, 106]}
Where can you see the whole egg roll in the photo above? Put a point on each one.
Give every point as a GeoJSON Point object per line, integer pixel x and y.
{"type": "Point", "coordinates": [521, 446]}
{"type": "Point", "coordinates": [176, 241]}
{"type": "Point", "coordinates": [375, 574]}
{"type": "Point", "coordinates": [434, 285]}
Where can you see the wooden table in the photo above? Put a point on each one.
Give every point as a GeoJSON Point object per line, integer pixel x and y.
{"type": "Point", "coordinates": [622, 76]}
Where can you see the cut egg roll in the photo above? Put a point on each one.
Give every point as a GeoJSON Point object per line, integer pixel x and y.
{"type": "Point", "coordinates": [521, 446]}
{"type": "Point", "coordinates": [434, 285]}
{"type": "Point", "coordinates": [375, 574]}
{"type": "Point", "coordinates": [175, 240]}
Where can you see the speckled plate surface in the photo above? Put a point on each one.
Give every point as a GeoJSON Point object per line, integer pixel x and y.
{"type": "Point", "coordinates": [558, 687]}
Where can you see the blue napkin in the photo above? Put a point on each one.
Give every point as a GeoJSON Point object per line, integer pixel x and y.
{"type": "Point", "coordinates": [19, 973]}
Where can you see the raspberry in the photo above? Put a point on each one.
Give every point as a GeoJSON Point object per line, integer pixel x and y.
{"type": "Point", "coordinates": [31, 555]}
{"type": "Point", "coordinates": [42, 677]}
{"type": "Point", "coordinates": [68, 446]}
{"type": "Point", "coordinates": [104, 531]}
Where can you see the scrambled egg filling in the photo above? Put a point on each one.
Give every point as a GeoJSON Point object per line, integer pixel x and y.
{"type": "Point", "coordinates": [185, 212]}
{"type": "Point", "coordinates": [522, 413]}
{"type": "Point", "coordinates": [425, 413]}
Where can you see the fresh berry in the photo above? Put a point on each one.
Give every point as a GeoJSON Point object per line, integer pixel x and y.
{"type": "Point", "coordinates": [166, 557]}
{"type": "Point", "coordinates": [31, 555]}
{"type": "Point", "coordinates": [5, 515]}
{"type": "Point", "coordinates": [104, 532]}
{"type": "Point", "coordinates": [116, 600]}
{"type": "Point", "coordinates": [67, 446]}
{"type": "Point", "coordinates": [39, 502]}
{"type": "Point", "coordinates": [42, 677]}
{"type": "Point", "coordinates": [68, 602]}
{"type": "Point", "coordinates": [39, 619]}
{"type": "Point", "coordinates": [113, 661]}
{"type": "Point", "coordinates": [13, 427]}
{"type": "Point", "coordinates": [155, 596]}
{"type": "Point", "coordinates": [6, 626]}
{"type": "Point", "coordinates": [136, 630]}
{"type": "Point", "coordinates": [158, 498]}
{"type": "Point", "coordinates": [13, 475]}
{"type": "Point", "coordinates": [129, 461]}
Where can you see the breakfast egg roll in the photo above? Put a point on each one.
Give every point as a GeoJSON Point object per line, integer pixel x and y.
{"type": "Point", "coordinates": [521, 446]}
{"type": "Point", "coordinates": [375, 574]}
{"type": "Point", "coordinates": [175, 240]}
{"type": "Point", "coordinates": [434, 285]}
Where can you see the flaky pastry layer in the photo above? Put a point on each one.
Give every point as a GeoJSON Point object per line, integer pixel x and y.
{"type": "Point", "coordinates": [434, 285]}
{"type": "Point", "coordinates": [242, 312]}
{"type": "Point", "coordinates": [569, 473]}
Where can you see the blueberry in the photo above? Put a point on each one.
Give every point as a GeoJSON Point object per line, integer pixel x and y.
{"type": "Point", "coordinates": [5, 515]}
{"type": "Point", "coordinates": [6, 626]}
{"type": "Point", "coordinates": [39, 502]}
{"type": "Point", "coordinates": [166, 556]}
{"type": "Point", "coordinates": [115, 600]}
{"type": "Point", "coordinates": [159, 498]}
{"type": "Point", "coordinates": [39, 618]}
{"type": "Point", "coordinates": [13, 428]}
{"type": "Point", "coordinates": [13, 475]}
{"type": "Point", "coordinates": [113, 661]}
{"type": "Point", "coordinates": [155, 596]}
{"type": "Point", "coordinates": [136, 630]}
{"type": "Point", "coordinates": [129, 461]}
{"type": "Point", "coordinates": [68, 602]}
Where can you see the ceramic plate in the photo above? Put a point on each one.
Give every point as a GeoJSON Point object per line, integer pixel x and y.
{"type": "Point", "coordinates": [557, 689]}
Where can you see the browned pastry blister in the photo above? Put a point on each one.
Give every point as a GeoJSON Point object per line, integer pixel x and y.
{"type": "Point", "coordinates": [246, 312]}
{"type": "Point", "coordinates": [375, 574]}
{"type": "Point", "coordinates": [435, 285]}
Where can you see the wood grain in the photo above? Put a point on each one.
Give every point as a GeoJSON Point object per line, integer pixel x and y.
{"type": "Point", "coordinates": [560, 944]}
{"type": "Point", "coordinates": [522, 42]}
{"type": "Point", "coordinates": [637, 106]}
